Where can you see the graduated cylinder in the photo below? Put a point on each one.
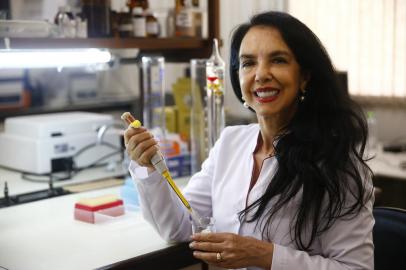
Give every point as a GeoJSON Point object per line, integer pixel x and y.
{"type": "Point", "coordinates": [153, 75]}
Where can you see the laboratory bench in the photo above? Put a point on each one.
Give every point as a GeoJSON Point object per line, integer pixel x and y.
{"type": "Point", "coordinates": [44, 234]}
{"type": "Point", "coordinates": [26, 190]}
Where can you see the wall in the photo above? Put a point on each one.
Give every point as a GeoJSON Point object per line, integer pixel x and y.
{"type": "Point", "coordinates": [391, 120]}
{"type": "Point", "coordinates": [232, 13]}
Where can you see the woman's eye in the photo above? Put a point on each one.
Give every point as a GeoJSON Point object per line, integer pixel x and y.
{"type": "Point", "coordinates": [246, 64]}
{"type": "Point", "coordinates": [279, 60]}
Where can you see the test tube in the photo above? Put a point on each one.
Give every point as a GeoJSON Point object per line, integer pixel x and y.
{"type": "Point", "coordinates": [153, 75]}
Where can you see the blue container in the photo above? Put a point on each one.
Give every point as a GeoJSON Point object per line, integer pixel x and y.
{"type": "Point", "coordinates": [129, 192]}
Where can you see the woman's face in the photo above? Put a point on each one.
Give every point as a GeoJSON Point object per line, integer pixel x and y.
{"type": "Point", "coordinates": [270, 77]}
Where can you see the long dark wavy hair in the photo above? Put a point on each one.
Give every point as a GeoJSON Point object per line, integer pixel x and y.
{"type": "Point", "coordinates": [321, 151]}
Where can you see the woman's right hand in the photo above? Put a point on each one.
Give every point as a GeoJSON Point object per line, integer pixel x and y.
{"type": "Point", "coordinates": [140, 145]}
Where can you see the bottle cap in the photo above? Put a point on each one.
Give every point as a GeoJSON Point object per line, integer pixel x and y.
{"type": "Point", "coordinates": [138, 11]}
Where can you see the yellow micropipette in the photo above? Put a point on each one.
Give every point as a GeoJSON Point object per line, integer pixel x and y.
{"type": "Point", "coordinates": [159, 164]}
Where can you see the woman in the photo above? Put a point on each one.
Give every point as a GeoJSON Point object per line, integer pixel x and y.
{"type": "Point", "coordinates": [291, 192]}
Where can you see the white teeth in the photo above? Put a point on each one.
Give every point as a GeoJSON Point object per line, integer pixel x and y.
{"type": "Point", "coordinates": [264, 94]}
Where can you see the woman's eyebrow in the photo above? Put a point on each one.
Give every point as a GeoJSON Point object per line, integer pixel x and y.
{"type": "Point", "coordinates": [246, 56]}
{"type": "Point", "coordinates": [279, 52]}
{"type": "Point", "coordinates": [272, 54]}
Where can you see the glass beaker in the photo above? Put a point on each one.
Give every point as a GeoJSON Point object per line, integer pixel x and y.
{"type": "Point", "coordinates": [153, 76]}
{"type": "Point", "coordinates": [198, 132]}
{"type": "Point", "coordinates": [204, 225]}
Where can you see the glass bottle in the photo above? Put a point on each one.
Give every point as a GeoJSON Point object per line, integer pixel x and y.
{"type": "Point", "coordinates": [152, 26]}
{"type": "Point", "coordinates": [139, 22]}
{"type": "Point", "coordinates": [184, 19]}
{"type": "Point", "coordinates": [131, 4]}
{"type": "Point", "coordinates": [65, 21]}
{"type": "Point", "coordinates": [125, 25]}
{"type": "Point", "coordinates": [215, 71]}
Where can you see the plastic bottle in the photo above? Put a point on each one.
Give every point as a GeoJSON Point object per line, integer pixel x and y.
{"type": "Point", "coordinates": [215, 71]}
{"type": "Point", "coordinates": [139, 22]}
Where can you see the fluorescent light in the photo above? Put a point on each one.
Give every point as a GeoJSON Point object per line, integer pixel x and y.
{"type": "Point", "coordinates": [45, 58]}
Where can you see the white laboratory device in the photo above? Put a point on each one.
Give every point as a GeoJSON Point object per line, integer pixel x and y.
{"type": "Point", "coordinates": [47, 143]}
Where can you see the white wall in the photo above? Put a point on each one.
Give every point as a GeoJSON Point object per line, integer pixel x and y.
{"type": "Point", "coordinates": [35, 9]}
{"type": "Point", "coordinates": [391, 121]}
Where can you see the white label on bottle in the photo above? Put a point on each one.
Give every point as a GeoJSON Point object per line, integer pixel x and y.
{"type": "Point", "coordinates": [125, 27]}
{"type": "Point", "coordinates": [184, 19]}
{"type": "Point", "coordinates": [139, 27]}
{"type": "Point", "coordinates": [152, 28]}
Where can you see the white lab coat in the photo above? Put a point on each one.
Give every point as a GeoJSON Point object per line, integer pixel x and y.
{"type": "Point", "coordinates": [220, 190]}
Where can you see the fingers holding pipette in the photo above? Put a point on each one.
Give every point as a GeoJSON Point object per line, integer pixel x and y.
{"type": "Point", "coordinates": [130, 132]}
{"type": "Point", "coordinates": [141, 147]}
{"type": "Point", "coordinates": [140, 143]}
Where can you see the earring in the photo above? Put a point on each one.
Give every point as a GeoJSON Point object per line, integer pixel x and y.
{"type": "Point", "coordinates": [245, 105]}
{"type": "Point", "coordinates": [302, 96]}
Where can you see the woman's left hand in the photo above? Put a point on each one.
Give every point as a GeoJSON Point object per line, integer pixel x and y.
{"type": "Point", "coordinates": [228, 250]}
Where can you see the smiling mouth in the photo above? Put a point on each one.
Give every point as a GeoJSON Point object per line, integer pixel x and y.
{"type": "Point", "coordinates": [266, 95]}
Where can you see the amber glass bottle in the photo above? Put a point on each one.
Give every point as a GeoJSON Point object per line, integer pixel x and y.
{"type": "Point", "coordinates": [131, 4]}
{"type": "Point", "coordinates": [152, 25]}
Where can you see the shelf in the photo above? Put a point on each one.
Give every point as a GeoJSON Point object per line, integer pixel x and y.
{"type": "Point", "coordinates": [176, 49]}
{"type": "Point", "coordinates": [173, 49]}
{"type": "Point", "coordinates": [122, 105]}
{"type": "Point", "coordinates": [149, 44]}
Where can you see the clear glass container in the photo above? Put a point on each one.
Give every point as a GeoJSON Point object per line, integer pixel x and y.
{"type": "Point", "coordinates": [66, 23]}
{"type": "Point", "coordinates": [215, 71]}
{"type": "Point", "coordinates": [198, 132]}
{"type": "Point", "coordinates": [153, 76]}
{"type": "Point", "coordinates": [203, 225]}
